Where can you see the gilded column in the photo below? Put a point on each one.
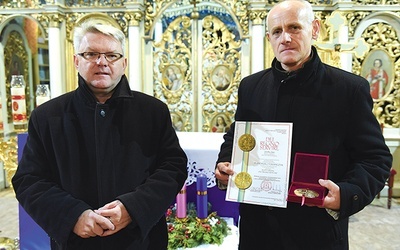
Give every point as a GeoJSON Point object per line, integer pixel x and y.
{"type": "Point", "coordinates": [3, 96]}
{"type": "Point", "coordinates": [345, 57]}
{"type": "Point", "coordinates": [56, 57]}
{"type": "Point", "coordinates": [257, 17]}
{"type": "Point", "coordinates": [135, 48]}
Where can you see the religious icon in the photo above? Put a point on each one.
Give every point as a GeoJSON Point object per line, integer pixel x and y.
{"type": "Point", "coordinates": [16, 66]}
{"type": "Point", "coordinates": [221, 124]}
{"type": "Point", "coordinates": [172, 78]}
{"type": "Point", "coordinates": [221, 77]}
{"type": "Point", "coordinates": [377, 69]}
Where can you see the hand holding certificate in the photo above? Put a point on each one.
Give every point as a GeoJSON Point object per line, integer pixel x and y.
{"type": "Point", "coordinates": [261, 162]}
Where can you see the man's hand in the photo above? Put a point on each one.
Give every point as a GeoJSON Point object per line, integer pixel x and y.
{"type": "Point", "coordinates": [90, 224]}
{"type": "Point", "coordinates": [223, 171]}
{"type": "Point", "coordinates": [332, 199]}
{"type": "Point", "coordinates": [116, 213]}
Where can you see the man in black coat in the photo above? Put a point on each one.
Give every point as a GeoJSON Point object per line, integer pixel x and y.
{"type": "Point", "coordinates": [331, 114]}
{"type": "Point", "coordinates": [102, 163]}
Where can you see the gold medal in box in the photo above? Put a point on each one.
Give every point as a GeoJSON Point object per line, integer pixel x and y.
{"type": "Point", "coordinates": [246, 142]}
{"type": "Point", "coordinates": [305, 192]}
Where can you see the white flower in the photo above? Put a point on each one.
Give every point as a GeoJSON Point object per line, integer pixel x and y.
{"type": "Point", "coordinates": [213, 221]}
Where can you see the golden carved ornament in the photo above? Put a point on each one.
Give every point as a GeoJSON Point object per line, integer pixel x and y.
{"type": "Point", "coordinates": [384, 43]}
{"type": "Point", "coordinates": [238, 8]}
{"type": "Point", "coordinates": [15, 51]}
{"type": "Point", "coordinates": [172, 54]}
{"type": "Point", "coordinates": [9, 156]}
{"type": "Point", "coordinates": [220, 71]}
{"type": "Point", "coordinates": [134, 17]}
{"type": "Point", "coordinates": [172, 71]}
{"type": "Point", "coordinates": [44, 21]}
{"type": "Point", "coordinates": [257, 16]}
{"type": "Point", "coordinates": [354, 18]}
{"type": "Point", "coordinates": [376, 2]}
{"type": "Point", "coordinates": [55, 19]}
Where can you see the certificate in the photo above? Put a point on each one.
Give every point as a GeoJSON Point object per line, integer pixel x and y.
{"type": "Point", "coordinates": [261, 163]}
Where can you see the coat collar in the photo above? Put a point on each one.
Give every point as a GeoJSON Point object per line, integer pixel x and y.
{"type": "Point", "coordinates": [122, 90]}
{"type": "Point", "coordinates": [301, 75]}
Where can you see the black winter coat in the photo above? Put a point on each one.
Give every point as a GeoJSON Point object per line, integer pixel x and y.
{"type": "Point", "coordinates": [81, 154]}
{"type": "Point", "coordinates": [331, 112]}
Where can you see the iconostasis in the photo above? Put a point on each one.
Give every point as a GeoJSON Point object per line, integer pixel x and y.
{"type": "Point", "coordinates": [193, 54]}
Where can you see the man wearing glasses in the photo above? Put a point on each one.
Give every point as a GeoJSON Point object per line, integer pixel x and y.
{"type": "Point", "coordinates": [102, 163]}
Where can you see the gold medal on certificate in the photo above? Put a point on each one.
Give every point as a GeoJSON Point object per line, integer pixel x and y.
{"type": "Point", "coordinates": [243, 180]}
{"type": "Point", "coordinates": [247, 142]}
{"type": "Point", "coordinates": [260, 158]}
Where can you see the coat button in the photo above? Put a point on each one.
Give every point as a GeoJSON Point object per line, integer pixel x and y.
{"type": "Point", "coordinates": [355, 197]}
{"type": "Point", "coordinates": [102, 113]}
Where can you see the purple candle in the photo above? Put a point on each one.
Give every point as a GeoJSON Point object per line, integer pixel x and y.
{"type": "Point", "coordinates": [201, 184]}
{"type": "Point", "coordinates": [181, 203]}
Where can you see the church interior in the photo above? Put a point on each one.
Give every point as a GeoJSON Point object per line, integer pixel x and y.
{"type": "Point", "coordinates": [192, 55]}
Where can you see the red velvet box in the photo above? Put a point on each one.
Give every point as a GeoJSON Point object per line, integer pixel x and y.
{"type": "Point", "coordinates": [307, 170]}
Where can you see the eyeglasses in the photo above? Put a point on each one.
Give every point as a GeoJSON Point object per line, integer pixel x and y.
{"type": "Point", "coordinates": [94, 56]}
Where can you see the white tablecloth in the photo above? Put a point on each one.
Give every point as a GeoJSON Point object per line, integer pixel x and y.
{"type": "Point", "coordinates": [202, 151]}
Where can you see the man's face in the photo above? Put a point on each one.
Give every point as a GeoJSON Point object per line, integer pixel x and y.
{"type": "Point", "coordinates": [100, 75]}
{"type": "Point", "coordinates": [291, 34]}
{"type": "Point", "coordinates": [377, 64]}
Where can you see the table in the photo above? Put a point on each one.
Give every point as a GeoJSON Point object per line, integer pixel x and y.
{"type": "Point", "coordinates": [31, 235]}
{"type": "Point", "coordinates": [202, 152]}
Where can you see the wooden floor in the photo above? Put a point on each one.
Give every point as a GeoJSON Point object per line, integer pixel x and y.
{"type": "Point", "coordinates": [374, 228]}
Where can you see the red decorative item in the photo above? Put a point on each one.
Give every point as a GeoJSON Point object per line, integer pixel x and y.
{"type": "Point", "coordinates": [18, 100]}
{"type": "Point", "coordinates": [307, 170]}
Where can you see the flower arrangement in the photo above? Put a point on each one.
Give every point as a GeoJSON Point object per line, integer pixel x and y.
{"type": "Point", "coordinates": [191, 231]}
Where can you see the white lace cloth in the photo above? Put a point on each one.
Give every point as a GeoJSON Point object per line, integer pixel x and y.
{"type": "Point", "coordinates": [202, 151]}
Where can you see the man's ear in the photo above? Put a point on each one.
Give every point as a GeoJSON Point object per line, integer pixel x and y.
{"type": "Point", "coordinates": [316, 27]}
{"type": "Point", "coordinates": [76, 61]}
{"type": "Point", "coordinates": [125, 63]}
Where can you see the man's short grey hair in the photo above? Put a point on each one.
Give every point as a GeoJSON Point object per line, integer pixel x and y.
{"type": "Point", "coordinates": [309, 11]}
{"type": "Point", "coordinates": [307, 8]}
{"type": "Point", "coordinates": [96, 26]}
